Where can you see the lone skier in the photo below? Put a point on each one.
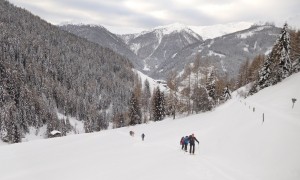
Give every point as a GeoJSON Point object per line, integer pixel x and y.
{"type": "Point", "coordinates": [143, 136]}
{"type": "Point", "coordinates": [192, 140]}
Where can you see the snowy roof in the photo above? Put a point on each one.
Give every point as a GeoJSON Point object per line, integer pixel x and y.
{"type": "Point", "coordinates": [54, 132]}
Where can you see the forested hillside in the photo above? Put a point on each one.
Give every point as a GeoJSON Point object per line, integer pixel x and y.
{"type": "Point", "coordinates": [45, 70]}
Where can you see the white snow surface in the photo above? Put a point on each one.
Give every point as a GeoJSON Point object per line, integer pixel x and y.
{"type": "Point", "coordinates": [175, 27]}
{"type": "Point", "coordinates": [217, 30]}
{"type": "Point", "coordinates": [268, 51]}
{"type": "Point", "coordinates": [152, 82]}
{"type": "Point", "coordinates": [75, 123]}
{"type": "Point", "coordinates": [251, 33]}
{"type": "Point", "coordinates": [212, 53]}
{"type": "Point", "coordinates": [135, 47]}
{"type": "Point", "coordinates": [55, 132]}
{"type": "Point", "coordinates": [234, 145]}
{"type": "Point", "coordinates": [169, 29]}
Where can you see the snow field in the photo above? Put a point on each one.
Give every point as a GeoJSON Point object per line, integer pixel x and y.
{"type": "Point", "coordinates": [234, 145]}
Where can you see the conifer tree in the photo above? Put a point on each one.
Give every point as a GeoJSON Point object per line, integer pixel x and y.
{"type": "Point", "coordinates": [146, 94]}
{"type": "Point", "coordinates": [158, 103]}
{"type": "Point", "coordinates": [263, 76]}
{"type": "Point", "coordinates": [68, 125]}
{"type": "Point", "coordinates": [283, 51]}
{"type": "Point", "coordinates": [135, 115]}
{"type": "Point", "coordinates": [296, 67]}
{"type": "Point", "coordinates": [87, 125]}
{"type": "Point", "coordinates": [162, 105]}
{"type": "Point", "coordinates": [63, 127]}
{"type": "Point", "coordinates": [211, 87]}
{"type": "Point", "coordinates": [277, 65]}
{"type": "Point", "coordinates": [3, 128]}
{"type": "Point", "coordinates": [226, 94]}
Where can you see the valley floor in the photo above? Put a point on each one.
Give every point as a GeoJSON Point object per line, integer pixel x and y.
{"type": "Point", "coordinates": [235, 144]}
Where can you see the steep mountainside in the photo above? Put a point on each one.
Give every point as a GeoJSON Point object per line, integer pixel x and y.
{"type": "Point", "coordinates": [158, 51]}
{"type": "Point", "coordinates": [226, 53]}
{"type": "Point", "coordinates": [45, 70]}
{"type": "Point", "coordinates": [103, 37]}
{"type": "Point", "coordinates": [154, 47]}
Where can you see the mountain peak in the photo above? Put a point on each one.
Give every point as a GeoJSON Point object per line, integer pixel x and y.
{"type": "Point", "coordinates": [168, 29]}
{"type": "Point", "coordinates": [173, 27]}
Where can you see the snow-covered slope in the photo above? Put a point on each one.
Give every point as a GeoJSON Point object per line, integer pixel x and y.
{"type": "Point", "coordinates": [234, 144]}
{"type": "Point", "coordinates": [153, 47]}
{"type": "Point", "coordinates": [213, 31]}
{"type": "Point", "coordinates": [226, 53]}
{"type": "Point", "coordinates": [152, 82]}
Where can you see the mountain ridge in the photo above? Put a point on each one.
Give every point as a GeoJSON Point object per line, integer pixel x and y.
{"type": "Point", "coordinates": [154, 46]}
{"type": "Point", "coordinates": [226, 53]}
{"type": "Point", "coordinates": [159, 50]}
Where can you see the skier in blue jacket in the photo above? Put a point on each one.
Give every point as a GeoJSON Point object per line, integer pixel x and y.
{"type": "Point", "coordinates": [186, 142]}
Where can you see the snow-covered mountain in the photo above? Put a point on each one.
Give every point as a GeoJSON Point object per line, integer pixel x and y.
{"type": "Point", "coordinates": [235, 143]}
{"type": "Point", "coordinates": [100, 35]}
{"type": "Point", "coordinates": [226, 53]}
{"type": "Point", "coordinates": [158, 51]}
{"type": "Point", "coordinates": [213, 31]}
{"type": "Point", "coordinates": [155, 46]}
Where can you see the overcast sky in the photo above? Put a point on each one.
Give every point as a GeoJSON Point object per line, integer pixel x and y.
{"type": "Point", "coordinates": [145, 14]}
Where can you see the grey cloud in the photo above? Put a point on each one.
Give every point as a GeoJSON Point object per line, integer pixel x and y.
{"type": "Point", "coordinates": [115, 13]}
{"type": "Point", "coordinates": [95, 6]}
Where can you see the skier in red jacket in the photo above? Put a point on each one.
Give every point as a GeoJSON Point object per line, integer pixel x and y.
{"type": "Point", "coordinates": [192, 140]}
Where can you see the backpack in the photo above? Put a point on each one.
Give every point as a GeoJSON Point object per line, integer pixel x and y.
{"type": "Point", "coordinates": [182, 140]}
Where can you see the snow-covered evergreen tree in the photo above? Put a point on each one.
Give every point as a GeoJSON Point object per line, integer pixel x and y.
{"type": "Point", "coordinates": [263, 76]}
{"type": "Point", "coordinates": [87, 125]}
{"type": "Point", "coordinates": [146, 94]}
{"type": "Point", "coordinates": [226, 94]}
{"type": "Point", "coordinates": [162, 105]}
{"type": "Point", "coordinates": [134, 114]}
{"type": "Point", "coordinates": [283, 52]}
{"type": "Point", "coordinates": [158, 103]}
{"type": "Point", "coordinates": [68, 125]}
{"type": "Point", "coordinates": [3, 128]}
{"type": "Point", "coordinates": [277, 65]}
{"type": "Point", "coordinates": [296, 66]}
{"type": "Point", "coordinates": [14, 132]}
{"type": "Point", "coordinates": [211, 87]}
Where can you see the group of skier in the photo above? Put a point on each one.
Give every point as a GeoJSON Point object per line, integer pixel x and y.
{"type": "Point", "coordinates": [131, 133]}
{"type": "Point", "coordinates": [188, 140]}
{"type": "Point", "coordinates": [184, 141]}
